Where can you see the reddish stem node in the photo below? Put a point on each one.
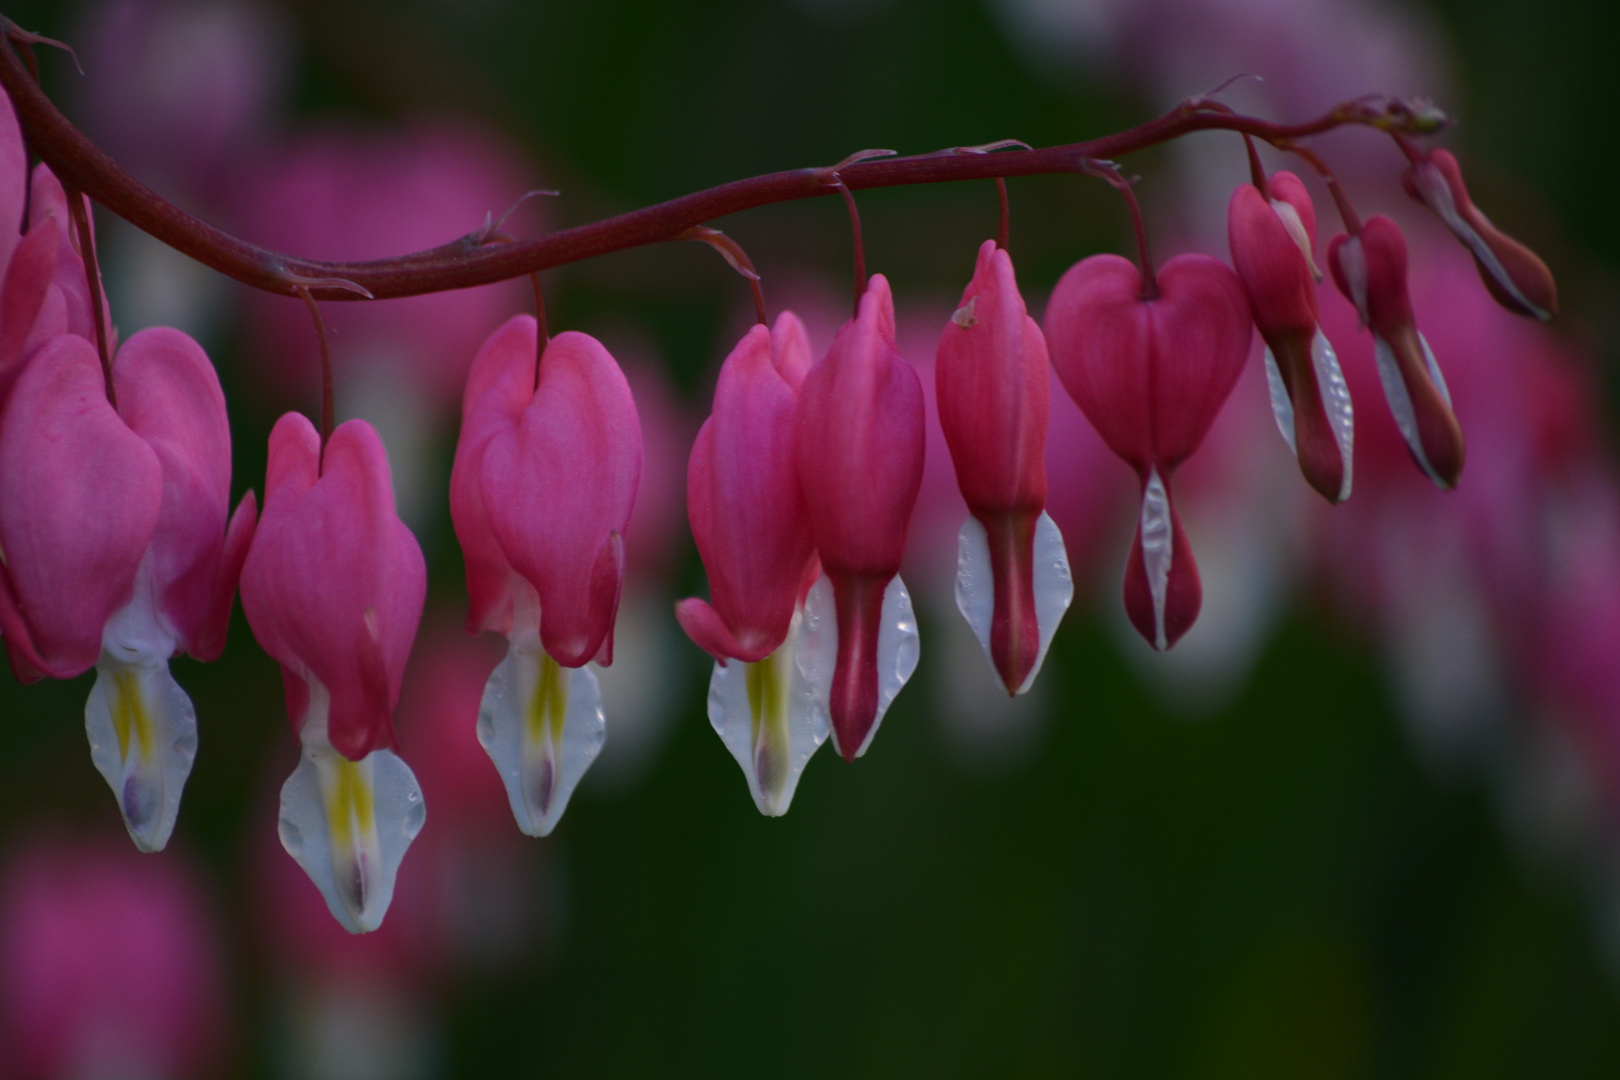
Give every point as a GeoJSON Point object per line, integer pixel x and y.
{"type": "Point", "coordinates": [1108, 171]}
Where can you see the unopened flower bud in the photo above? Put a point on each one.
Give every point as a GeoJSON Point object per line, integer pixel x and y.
{"type": "Point", "coordinates": [1370, 270]}
{"type": "Point", "coordinates": [1514, 274]}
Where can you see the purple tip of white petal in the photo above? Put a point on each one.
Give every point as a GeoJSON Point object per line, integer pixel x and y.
{"type": "Point", "coordinates": [772, 718]}
{"type": "Point", "coordinates": [542, 725]}
{"type": "Point", "coordinates": [975, 586]}
{"type": "Point", "coordinates": [897, 650]}
{"type": "Point", "coordinates": [143, 740]}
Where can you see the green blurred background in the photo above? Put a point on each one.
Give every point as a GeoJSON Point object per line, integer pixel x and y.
{"type": "Point", "coordinates": [1277, 890]}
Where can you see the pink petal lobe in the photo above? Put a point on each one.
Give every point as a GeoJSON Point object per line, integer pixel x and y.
{"type": "Point", "coordinates": [1275, 275]}
{"type": "Point", "coordinates": [79, 498]}
{"type": "Point", "coordinates": [992, 388]}
{"type": "Point", "coordinates": [334, 583]}
{"type": "Point", "coordinates": [744, 501]}
{"type": "Point", "coordinates": [790, 350]}
{"type": "Point", "coordinates": [1098, 330]}
{"type": "Point", "coordinates": [499, 386]}
{"type": "Point", "coordinates": [169, 395]}
{"type": "Point", "coordinates": [708, 632]}
{"type": "Point", "coordinates": [1150, 375]}
{"type": "Point", "coordinates": [559, 482]}
{"type": "Point", "coordinates": [1201, 333]}
{"type": "Point", "coordinates": [27, 279]}
{"type": "Point", "coordinates": [859, 442]}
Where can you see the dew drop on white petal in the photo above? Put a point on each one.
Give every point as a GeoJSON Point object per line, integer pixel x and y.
{"type": "Point", "coordinates": [976, 594]}
{"type": "Point", "coordinates": [1158, 548]}
{"type": "Point", "coordinates": [897, 646]}
{"type": "Point", "coordinates": [1282, 406]}
{"type": "Point", "coordinates": [1336, 402]}
{"type": "Point", "coordinates": [542, 725]}
{"type": "Point", "coordinates": [143, 739]}
{"type": "Point", "coordinates": [349, 823]}
{"type": "Point", "coordinates": [771, 718]}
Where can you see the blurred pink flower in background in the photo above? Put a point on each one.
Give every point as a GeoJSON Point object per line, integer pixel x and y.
{"type": "Point", "coordinates": [108, 964]}
{"type": "Point", "coordinates": [179, 90]}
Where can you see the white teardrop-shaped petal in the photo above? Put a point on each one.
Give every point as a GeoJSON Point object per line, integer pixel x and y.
{"type": "Point", "coordinates": [143, 739]}
{"type": "Point", "coordinates": [976, 593]}
{"type": "Point", "coordinates": [349, 823]}
{"type": "Point", "coordinates": [542, 725]}
{"type": "Point", "coordinates": [1158, 548]}
{"type": "Point", "coordinates": [1282, 406]}
{"type": "Point", "coordinates": [771, 718]}
{"type": "Point", "coordinates": [897, 646]}
{"type": "Point", "coordinates": [1336, 403]}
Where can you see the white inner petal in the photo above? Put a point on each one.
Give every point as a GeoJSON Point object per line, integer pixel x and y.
{"type": "Point", "coordinates": [897, 646]}
{"type": "Point", "coordinates": [349, 823]}
{"type": "Point", "coordinates": [975, 586]}
{"type": "Point", "coordinates": [1434, 369]}
{"type": "Point", "coordinates": [1336, 402]}
{"type": "Point", "coordinates": [1353, 264]}
{"type": "Point", "coordinates": [1282, 406]}
{"type": "Point", "coordinates": [1296, 231]}
{"type": "Point", "coordinates": [1158, 547]}
{"type": "Point", "coordinates": [143, 739]}
{"type": "Point", "coordinates": [542, 725]}
{"type": "Point", "coordinates": [771, 718]}
{"type": "Point", "coordinates": [1400, 404]}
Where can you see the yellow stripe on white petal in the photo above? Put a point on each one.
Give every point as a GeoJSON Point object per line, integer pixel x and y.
{"type": "Point", "coordinates": [143, 739]}
{"type": "Point", "coordinates": [897, 651]}
{"type": "Point", "coordinates": [349, 823]}
{"type": "Point", "coordinates": [542, 725]}
{"type": "Point", "coordinates": [976, 588]}
{"type": "Point", "coordinates": [771, 718]}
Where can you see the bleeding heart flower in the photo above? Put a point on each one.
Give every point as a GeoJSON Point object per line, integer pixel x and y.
{"type": "Point", "coordinates": [859, 442]}
{"type": "Point", "coordinates": [1271, 234]}
{"type": "Point", "coordinates": [117, 549]}
{"type": "Point", "coordinates": [333, 589]}
{"type": "Point", "coordinates": [991, 377]}
{"type": "Point", "coordinates": [1514, 274]}
{"type": "Point", "coordinates": [752, 530]}
{"type": "Point", "coordinates": [1370, 270]}
{"type": "Point", "coordinates": [1151, 372]}
{"type": "Point", "coordinates": [541, 491]}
